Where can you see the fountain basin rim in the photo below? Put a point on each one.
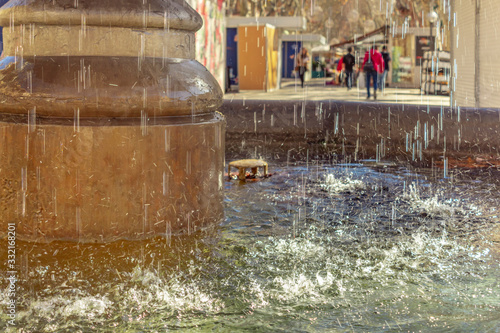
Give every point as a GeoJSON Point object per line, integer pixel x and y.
{"type": "Point", "coordinates": [208, 117]}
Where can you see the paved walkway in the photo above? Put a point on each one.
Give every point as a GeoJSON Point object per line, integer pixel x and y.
{"type": "Point", "coordinates": [316, 90]}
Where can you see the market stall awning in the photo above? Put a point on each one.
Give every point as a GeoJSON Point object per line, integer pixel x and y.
{"type": "Point", "coordinates": [288, 22]}
{"type": "Point", "coordinates": [321, 49]}
{"type": "Point", "coordinates": [383, 29]}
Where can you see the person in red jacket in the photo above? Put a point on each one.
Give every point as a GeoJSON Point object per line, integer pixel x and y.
{"type": "Point", "coordinates": [373, 63]}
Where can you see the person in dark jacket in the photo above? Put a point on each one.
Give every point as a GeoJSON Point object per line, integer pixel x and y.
{"type": "Point", "coordinates": [302, 63]}
{"type": "Point", "coordinates": [382, 77]}
{"type": "Point", "coordinates": [348, 61]}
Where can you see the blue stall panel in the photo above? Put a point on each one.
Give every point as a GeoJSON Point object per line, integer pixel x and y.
{"type": "Point", "coordinates": [2, 2]}
{"type": "Point", "coordinates": [232, 55]}
{"type": "Point", "coordinates": [289, 51]}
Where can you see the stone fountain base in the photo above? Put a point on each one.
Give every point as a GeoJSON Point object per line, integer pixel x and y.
{"type": "Point", "coordinates": [102, 179]}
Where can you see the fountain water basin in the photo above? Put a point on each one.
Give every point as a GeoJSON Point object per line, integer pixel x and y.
{"type": "Point", "coordinates": [317, 248]}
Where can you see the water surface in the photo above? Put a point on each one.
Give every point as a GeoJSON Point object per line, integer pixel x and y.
{"type": "Point", "coordinates": [314, 248]}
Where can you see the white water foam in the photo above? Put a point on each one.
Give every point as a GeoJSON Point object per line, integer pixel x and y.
{"type": "Point", "coordinates": [436, 204]}
{"type": "Point", "coordinates": [335, 184]}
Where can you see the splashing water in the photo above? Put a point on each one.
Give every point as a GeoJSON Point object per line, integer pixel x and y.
{"type": "Point", "coordinates": [363, 257]}
{"type": "Point", "coordinates": [342, 184]}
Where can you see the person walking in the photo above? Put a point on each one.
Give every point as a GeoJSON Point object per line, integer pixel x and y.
{"type": "Point", "coordinates": [301, 64]}
{"type": "Point", "coordinates": [372, 65]}
{"type": "Point", "coordinates": [387, 58]}
{"type": "Point", "coordinates": [349, 62]}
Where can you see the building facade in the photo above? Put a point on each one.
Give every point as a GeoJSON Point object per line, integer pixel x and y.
{"type": "Point", "coordinates": [475, 48]}
{"type": "Point", "coordinates": [210, 39]}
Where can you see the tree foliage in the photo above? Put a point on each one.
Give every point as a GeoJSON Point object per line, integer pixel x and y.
{"type": "Point", "coordinates": [370, 13]}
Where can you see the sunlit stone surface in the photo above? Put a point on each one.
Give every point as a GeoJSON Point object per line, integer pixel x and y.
{"type": "Point", "coordinates": [108, 125]}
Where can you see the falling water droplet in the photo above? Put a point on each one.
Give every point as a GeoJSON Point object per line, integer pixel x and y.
{"type": "Point", "coordinates": [78, 221]}
{"type": "Point", "coordinates": [38, 178]}
{"type": "Point", "coordinates": [32, 120]}
{"type": "Point", "coordinates": [76, 121]}
{"type": "Point", "coordinates": [426, 142]}
{"type": "Point", "coordinates": [144, 123]}
{"type": "Point", "coordinates": [167, 140]}
{"type": "Point", "coordinates": [30, 82]}
{"type": "Point", "coordinates": [24, 180]}
{"type": "Point", "coordinates": [336, 131]}
{"type": "Point", "coordinates": [165, 183]}
{"type": "Point", "coordinates": [55, 201]}
{"type": "Point", "coordinates": [445, 168]}
{"type": "Point", "coordinates": [188, 162]}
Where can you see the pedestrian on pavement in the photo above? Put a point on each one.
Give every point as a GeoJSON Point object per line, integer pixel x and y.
{"type": "Point", "coordinates": [372, 65]}
{"type": "Point", "coordinates": [387, 58]}
{"type": "Point", "coordinates": [348, 61]}
{"type": "Point", "coordinates": [301, 65]}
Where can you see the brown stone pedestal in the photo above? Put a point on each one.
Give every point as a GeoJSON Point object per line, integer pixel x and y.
{"type": "Point", "coordinates": [108, 127]}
